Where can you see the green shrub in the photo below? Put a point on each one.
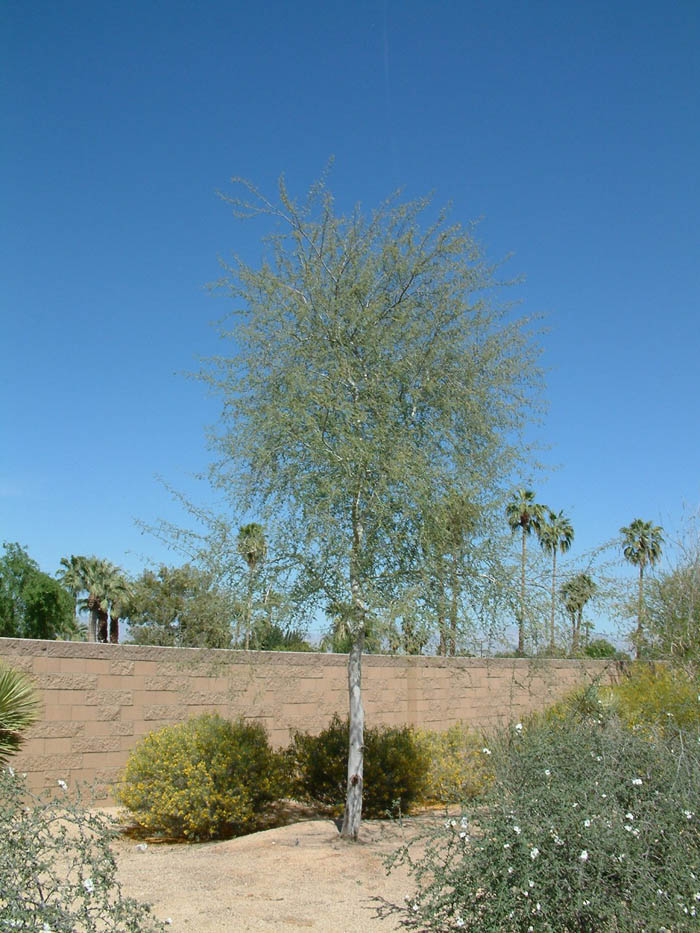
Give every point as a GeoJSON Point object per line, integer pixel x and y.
{"type": "Point", "coordinates": [395, 767]}
{"type": "Point", "coordinates": [458, 768]}
{"type": "Point", "coordinates": [587, 828]}
{"type": "Point", "coordinates": [656, 696]}
{"type": "Point", "coordinates": [203, 779]}
{"type": "Point", "coordinates": [57, 871]}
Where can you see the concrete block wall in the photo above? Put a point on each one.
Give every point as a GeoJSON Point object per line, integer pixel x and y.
{"type": "Point", "coordinates": [99, 700]}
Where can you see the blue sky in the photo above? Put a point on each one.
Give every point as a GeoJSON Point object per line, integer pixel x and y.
{"type": "Point", "coordinates": [571, 129]}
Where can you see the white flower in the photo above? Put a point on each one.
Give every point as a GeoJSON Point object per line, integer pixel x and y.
{"type": "Point", "coordinates": [506, 845]}
{"type": "Point", "coordinates": [598, 758]}
{"type": "Point", "coordinates": [62, 785]}
{"type": "Point", "coordinates": [603, 796]}
{"type": "Point", "coordinates": [518, 727]}
{"type": "Point", "coordinates": [89, 885]}
{"type": "Point", "coordinates": [688, 814]}
{"type": "Point", "coordinates": [459, 922]}
{"type": "Point", "coordinates": [486, 751]}
{"type": "Point", "coordinates": [414, 908]}
{"type": "Point", "coordinates": [558, 841]}
{"type": "Point", "coordinates": [510, 870]}
{"type": "Point", "coordinates": [11, 770]}
{"type": "Point", "coordinates": [583, 857]}
{"type": "Point", "coordinates": [547, 772]}
{"type": "Point", "coordinates": [637, 782]}
{"type": "Point", "coordinates": [628, 828]}
{"type": "Point", "coordinates": [464, 823]}
{"type": "Point", "coordinates": [141, 847]}
{"type": "Point", "coordinates": [463, 835]}
{"type": "Point", "coordinates": [586, 823]}
{"type": "Point", "coordinates": [629, 816]}
{"type": "Point", "coordinates": [531, 884]}
{"type": "Point", "coordinates": [534, 852]}
{"type": "Point", "coordinates": [697, 895]}
{"type": "Point", "coordinates": [516, 830]}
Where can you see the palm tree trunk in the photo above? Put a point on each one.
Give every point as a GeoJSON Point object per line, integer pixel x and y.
{"type": "Point", "coordinates": [640, 612]}
{"type": "Point", "coordinates": [102, 633]}
{"type": "Point", "coordinates": [92, 623]}
{"type": "Point", "coordinates": [114, 629]}
{"type": "Point", "coordinates": [521, 620]}
{"type": "Point", "coordinates": [453, 606]}
{"type": "Point", "coordinates": [554, 581]}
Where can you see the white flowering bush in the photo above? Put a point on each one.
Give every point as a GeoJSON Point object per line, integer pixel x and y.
{"type": "Point", "coordinates": [588, 827]}
{"type": "Point", "coordinates": [57, 871]}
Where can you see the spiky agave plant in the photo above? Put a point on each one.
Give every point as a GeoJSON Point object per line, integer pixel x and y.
{"type": "Point", "coordinates": [19, 708]}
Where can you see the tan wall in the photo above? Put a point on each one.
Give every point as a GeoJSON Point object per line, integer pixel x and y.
{"type": "Point", "coordinates": [98, 700]}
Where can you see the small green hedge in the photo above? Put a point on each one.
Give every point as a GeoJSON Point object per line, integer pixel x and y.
{"type": "Point", "coordinates": [395, 767]}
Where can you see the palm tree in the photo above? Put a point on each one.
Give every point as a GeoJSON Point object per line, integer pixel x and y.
{"type": "Point", "coordinates": [576, 592]}
{"type": "Point", "coordinates": [524, 513]}
{"type": "Point", "coordinates": [95, 578]}
{"type": "Point", "coordinates": [19, 708]}
{"type": "Point", "coordinates": [120, 593]}
{"type": "Point", "coordinates": [253, 548]}
{"type": "Point", "coordinates": [556, 534]}
{"type": "Point", "coordinates": [641, 544]}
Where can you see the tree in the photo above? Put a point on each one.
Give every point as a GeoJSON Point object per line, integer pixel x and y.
{"type": "Point", "coordinates": [253, 548]}
{"type": "Point", "coordinates": [105, 588]}
{"type": "Point", "coordinates": [556, 533]}
{"type": "Point", "coordinates": [641, 544]}
{"type": "Point", "coordinates": [180, 607]}
{"type": "Point", "coordinates": [522, 512]}
{"type": "Point", "coordinates": [576, 592]}
{"type": "Point", "coordinates": [32, 604]}
{"type": "Point", "coordinates": [371, 370]}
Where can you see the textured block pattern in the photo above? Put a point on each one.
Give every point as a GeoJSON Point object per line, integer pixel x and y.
{"type": "Point", "coordinates": [99, 700]}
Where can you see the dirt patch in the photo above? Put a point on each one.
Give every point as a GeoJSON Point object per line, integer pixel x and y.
{"type": "Point", "coordinates": [294, 877]}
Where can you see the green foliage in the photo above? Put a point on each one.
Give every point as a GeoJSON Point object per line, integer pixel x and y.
{"type": "Point", "coordinates": [653, 697]}
{"type": "Point", "coordinates": [19, 708]}
{"type": "Point", "coordinates": [395, 767]}
{"type": "Point", "coordinates": [203, 779]}
{"type": "Point", "coordinates": [181, 607]}
{"type": "Point", "coordinates": [57, 871]}
{"type": "Point", "coordinates": [458, 768]}
{"type": "Point", "coordinates": [32, 604]}
{"type": "Point", "coordinates": [587, 828]}
{"type": "Point", "coordinates": [101, 587]}
{"type": "Point", "coordinates": [602, 648]}
{"type": "Point", "coordinates": [673, 609]}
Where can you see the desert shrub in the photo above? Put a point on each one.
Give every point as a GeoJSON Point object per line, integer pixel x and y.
{"type": "Point", "coordinates": [588, 828]}
{"type": "Point", "coordinates": [458, 769]}
{"type": "Point", "coordinates": [656, 696]}
{"type": "Point", "coordinates": [57, 871]}
{"type": "Point", "coordinates": [207, 778]}
{"type": "Point", "coordinates": [395, 767]}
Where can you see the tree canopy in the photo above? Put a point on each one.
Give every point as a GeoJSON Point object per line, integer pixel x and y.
{"type": "Point", "coordinates": [32, 604]}
{"type": "Point", "coordinates": [371, 372]}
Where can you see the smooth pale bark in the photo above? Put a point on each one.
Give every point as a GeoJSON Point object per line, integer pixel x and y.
{"type": "Point", "coordinates": [353, 801]}
{"type": "Point", "coordinates": [453, 607]}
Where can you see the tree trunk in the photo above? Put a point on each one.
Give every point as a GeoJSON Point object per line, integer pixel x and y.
{"type": "Point", "coordinates": [521, 620]}
{"type": "Point", "coordinates": [353, 800]}
{"type": "Point", "coordinates": [640, 611]}
{"type": "Point", "coordinates": [574, 632]}
{"type": "Point", "coordinates": [92, 624]}
{"type": "Point", "coordinates": [453, 607]}
{"type": "Point", "coordinates": [114, 629]}
{"type": "Point", "coordinates": [103, 626]}
{"type": "Point", "coordinates": [554, 580]}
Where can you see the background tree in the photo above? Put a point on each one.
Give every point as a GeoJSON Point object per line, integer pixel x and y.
{"type": "Point", "coordinates": [641, 544]}
{"type": "Point", "coordinates": [522, 512]}
{"type": "Point", "coordinates": [181, 607]}
{"type": "Point", "coordinates": [253, 548]}
{"type": "Point", "coordinates": [371, 370]}
{"type": "Point", "coordinates": [98, 586]}
{"type": "Point", "coordinates": [32, 604]}
{"type": "Point", "coordinates": [556, 534]}
{"type": "Point", "coordinates": [576, 592]}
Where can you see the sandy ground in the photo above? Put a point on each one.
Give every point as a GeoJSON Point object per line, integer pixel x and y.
{"type": "Point", "coordinates": [298, 876]}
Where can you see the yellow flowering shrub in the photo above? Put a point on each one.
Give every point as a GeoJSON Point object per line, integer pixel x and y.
{"type": "Point", "coordinates": [459, 767]}
{"type": "Point", "coordinates": [653, 696]}
{"type": "Point", "coordinates": [207, 778]}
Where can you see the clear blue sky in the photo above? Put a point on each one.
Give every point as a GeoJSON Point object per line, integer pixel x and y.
{"type": "Point", "coordinates": [572, 129]}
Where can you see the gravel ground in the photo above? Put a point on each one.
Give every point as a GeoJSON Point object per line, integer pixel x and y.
{"type": "Point", "coordinates": [298, 876]}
